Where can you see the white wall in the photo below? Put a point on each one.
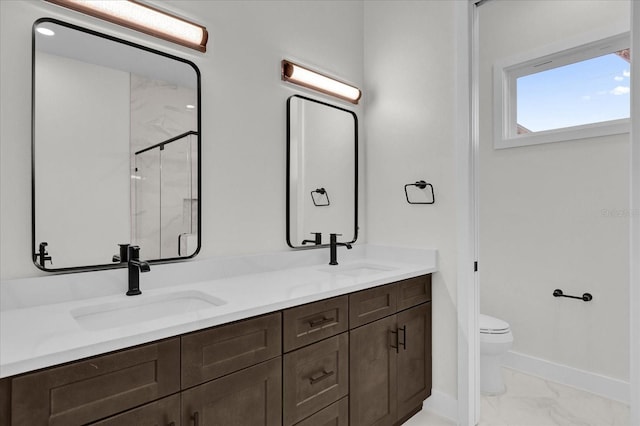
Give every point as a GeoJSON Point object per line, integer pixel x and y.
{"type": "Point", "coordinates": [81, 173]}
{"type": "Point", "coordinates": [328, 159]}
{"type": "Point", "coordinates": [547, 212]}
{"type": "Point", "coordinates": [243, 111]}
{"type": "Point", "coordinates": [409, 92]}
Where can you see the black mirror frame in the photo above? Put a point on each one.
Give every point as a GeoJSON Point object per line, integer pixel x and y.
{"type": "Point", "coordinates": [107, 266]}
{"type": "Point", "coordinates": [288, 174]}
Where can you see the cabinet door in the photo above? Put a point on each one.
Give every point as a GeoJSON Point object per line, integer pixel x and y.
{"type": "Point", "coordinates": [314, 377]}
{"type": "Point", "coordinates": [98, 387]}
{"type": "Point", "coordinates": [5, 401]}
{"type": "Point", "coordinates": [165, 412]}
{"type": "Point", "coordinates": [414, 358]}
{"type": "Point", "coordinates": [373, 362]}
{"type": "Point", "coordinates": [212, 353]}
{"type": "Point", "coordinates": [252, 396]}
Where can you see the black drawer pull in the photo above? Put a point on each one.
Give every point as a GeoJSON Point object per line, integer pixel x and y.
{"type": "Point", "coordinates": [404, 337]}
{"type": "Point", "coordinates": [314, 323]}
{"type": "Point", "coordinates": [324, 375]}
{"type": "Point", "coordinates": [196, 419]}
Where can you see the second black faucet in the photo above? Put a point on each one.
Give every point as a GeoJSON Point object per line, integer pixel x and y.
{"type": "Point", "coordinates": [333, 248]}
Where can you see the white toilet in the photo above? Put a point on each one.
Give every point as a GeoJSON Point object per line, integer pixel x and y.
{"type": "Point", "coordinates": [495, 340]}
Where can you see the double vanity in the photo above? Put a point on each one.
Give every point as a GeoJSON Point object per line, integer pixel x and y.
{"type": "Point", "coordinates": [338, 335]}
{"type": "Point", "coordinates": [282, 338]}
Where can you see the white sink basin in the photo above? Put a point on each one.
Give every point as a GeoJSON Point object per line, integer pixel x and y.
{"type": "Point", "coordinates": [140, 308]}
{"type": "Point", "coordinates": [358, 270]}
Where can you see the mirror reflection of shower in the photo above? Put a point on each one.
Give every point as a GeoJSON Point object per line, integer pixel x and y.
{"type": "Point", "coordinates": [164, 167]}
{"type": "Point", "coordinates": [166, 205]}
{"type": "Point", "coordinates": [103, 100]}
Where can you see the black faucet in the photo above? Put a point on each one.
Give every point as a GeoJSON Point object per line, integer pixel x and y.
{"type": "Point", "coordinates": [317, 239]}
{"type": "Point", "coordinates": [333, 248]}
{"type": "Point", "coordinates": [135, 267]}
{"type": "Point", "coordinates": [42, 254]}
{"type": "Point", "coordinates": [123, 257]}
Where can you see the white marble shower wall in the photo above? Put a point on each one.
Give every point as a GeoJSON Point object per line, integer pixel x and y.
{"type": "Point", "coordinates": [164, 182]}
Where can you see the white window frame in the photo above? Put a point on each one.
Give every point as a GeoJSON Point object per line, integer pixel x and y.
{"type": "Point", "coordinates": [506, 72]}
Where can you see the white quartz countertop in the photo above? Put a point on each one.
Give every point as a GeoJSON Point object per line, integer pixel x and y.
{"type": "Point", "coordinates": [44, 322]}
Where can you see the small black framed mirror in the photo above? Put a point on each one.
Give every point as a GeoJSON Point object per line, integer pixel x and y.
{"type": "Point", "coordinates": [116, 135]}
{"type": "Point", "coordinates": [322, 173]}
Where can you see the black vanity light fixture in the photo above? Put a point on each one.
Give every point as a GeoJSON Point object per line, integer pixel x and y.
{"type": "Point", "coordinates": [144, 18]}
{"type": "Point", "coordinates": [310, 79]}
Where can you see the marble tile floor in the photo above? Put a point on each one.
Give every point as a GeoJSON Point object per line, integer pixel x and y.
{"type": "Point", "coordinates": [532, 401]}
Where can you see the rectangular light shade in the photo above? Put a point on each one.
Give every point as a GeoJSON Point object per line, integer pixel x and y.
{"type": "Point", "coordinates": [305, 77]}
{"type": "Point", "coordinates": [143, 18]}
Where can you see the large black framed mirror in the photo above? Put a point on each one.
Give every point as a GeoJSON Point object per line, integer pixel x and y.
{"type": "Point", "coordinates": [115, 150]}
{"type": "Point", "coordinates": [322, 173]}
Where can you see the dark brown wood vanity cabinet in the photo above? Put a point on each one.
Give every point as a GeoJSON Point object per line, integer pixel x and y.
{"type": "Point", "coordinates": [390, 355]}
{"type": "Point", "coordinates": [357, 359]}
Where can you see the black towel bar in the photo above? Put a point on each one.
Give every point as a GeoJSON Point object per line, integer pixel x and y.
{"type": "Point", "coordinates": [586, 297]}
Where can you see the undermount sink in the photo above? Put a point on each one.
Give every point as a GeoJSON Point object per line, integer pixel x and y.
{"type": "Point", "coordinates": [142, 308]}
{"type": "Point", "coordinates": [358, 270]}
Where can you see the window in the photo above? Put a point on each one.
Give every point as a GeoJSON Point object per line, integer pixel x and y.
{"type": "Point", "coordinates": [573, 93]}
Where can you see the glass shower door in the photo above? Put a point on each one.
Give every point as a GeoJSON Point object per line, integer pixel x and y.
{"type": "Point", "coordinates": [178, 199]}
{"type": "Point", "coordinates": [165, 199]}
{"type": "Point", "coordinates": [146, 220]}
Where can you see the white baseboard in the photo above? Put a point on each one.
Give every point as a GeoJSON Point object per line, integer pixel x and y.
{"type": "Point", "coordinates": [595, 383]}
{"type": "Point", "coordinates": [443, 405]}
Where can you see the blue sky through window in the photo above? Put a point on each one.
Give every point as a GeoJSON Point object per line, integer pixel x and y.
{"type": "Point", "coordinates": [585, 92]}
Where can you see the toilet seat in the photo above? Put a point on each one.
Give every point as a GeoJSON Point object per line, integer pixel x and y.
{"type": "Point", "coordinates": [491, 325]}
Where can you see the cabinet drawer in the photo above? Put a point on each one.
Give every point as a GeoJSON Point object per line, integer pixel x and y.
{"type": "Point", "coordinates": [164, 412]}
{"type": "Point", "coordinates": [212, 353]}
{"type": "Point", "coordinates": [337, 414]}
{"type": "Point", "coordinates": [310, 323]}
{"type": "Point", "coordinates": [414, 291]}
{"type": "Point", "coordinates": [372, 304]}
{"type": "Point", "coordinates": [314, 377]}
{"type": "Point", "coordinates": [252, 396]}
{"type": "Point", "coordinates": [96, 388]}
